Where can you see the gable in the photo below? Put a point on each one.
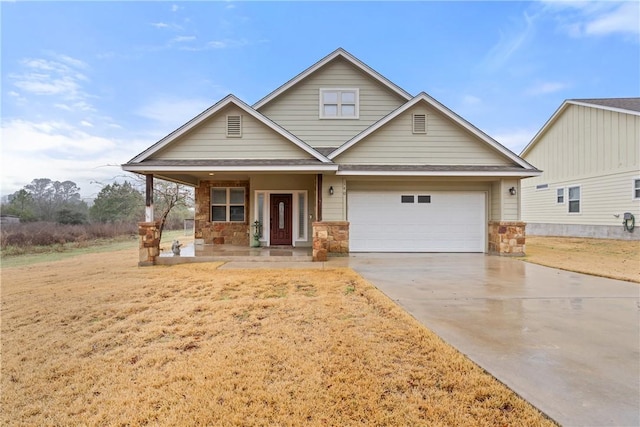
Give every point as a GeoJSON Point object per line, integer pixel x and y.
{"type": "Point", "coordinates": [444, 143]}
{"type": "Point", "coordinates": [209, 140]}
{"type": "Point", "coordinates": [581, 140]}
{"type": "Point", "coordinates": [297, 108]}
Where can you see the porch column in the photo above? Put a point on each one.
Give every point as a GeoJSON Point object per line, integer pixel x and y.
{"type": "Point", "coordinates": [148, 210]}
{"type": "Point", "coordinates": [507, 238]}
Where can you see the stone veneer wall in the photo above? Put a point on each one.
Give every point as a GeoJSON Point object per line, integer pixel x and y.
{"type": "Point", "coordinates": [149, 233]}
{"type": "Point", "coordinates": [330, 237]}
{"type": "Point", "coordinates": [220, 233]}
{"type": "Point", "coordinates": [507, 238]}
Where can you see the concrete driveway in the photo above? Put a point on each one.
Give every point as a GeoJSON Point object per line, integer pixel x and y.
{"type": "Point", "coordinates": [568, 343]}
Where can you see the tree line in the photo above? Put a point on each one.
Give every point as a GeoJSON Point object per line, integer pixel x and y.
{"type": "Point", "coordinates": [54, 201]}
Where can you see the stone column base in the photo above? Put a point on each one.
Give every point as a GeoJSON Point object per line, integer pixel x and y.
{"type": "Point", "coordinates": [507, 238]}
{"type": "Point", "coordinates": [149, 233]}
{"type": "Point", "coordinates": [330, 237]}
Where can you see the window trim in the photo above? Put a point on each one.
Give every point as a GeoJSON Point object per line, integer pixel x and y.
{"type": "Point", "coordinates": [569, 200]}
{"type": "Point", "coordinates": [339, 90]}
{"type": "Point", "coordinates": [635, 188]}
{"type": "Point", "coordinates": [563, 195]}
{"type": "Point", "coordinates": [228, 204]}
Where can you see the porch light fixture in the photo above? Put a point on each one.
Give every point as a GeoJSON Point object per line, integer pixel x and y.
{"type": "Point", "coordinates": [331, 190]}
{"type": "Point", "coordinates": [512, 191]}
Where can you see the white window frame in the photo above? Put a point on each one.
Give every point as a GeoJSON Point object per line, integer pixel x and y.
{"type": "Point", "coordinates": [635, 189]}
{"type": "Point", "coordinates": [569, 200]}
{"type": "Point", "coordinates": [339, 91]}
{"type": "Point", "coordinates": [563, 195]}
{"type": "Point", "coordinates": [228, 204]}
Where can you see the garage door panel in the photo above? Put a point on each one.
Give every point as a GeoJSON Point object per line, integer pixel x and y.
{"type": "Point", "coordinates": [452, 222]}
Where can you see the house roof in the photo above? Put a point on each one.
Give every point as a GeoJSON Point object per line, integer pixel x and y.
{"type": "Point", "coordinates": [338, 53]}
{"type": "Point", "coordinates": [620, 105]}
{"type": "Point", "coordinates": [625, 104]}
{"type": "Point", "coordinates": [211, 111]}
{"type": "Point", "coordinates": [238, 165]}
{"type": "Point", "coordinates": [423, 97]}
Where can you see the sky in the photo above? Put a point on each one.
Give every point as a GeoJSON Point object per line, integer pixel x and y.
{"type": "Point", "coordinates": [86, 86]}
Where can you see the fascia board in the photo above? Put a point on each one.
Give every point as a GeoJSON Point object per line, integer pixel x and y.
{"type": "Point", "coordinates": [523, 174]}
{"type": "Point", "coordinates": [296, 168]}
{"type": "Point", "coordinates": [229, 99]}
{"type": "Point", "coordinates": [315, 67]}
{"type": "Point", "coordinates": [605, 107]}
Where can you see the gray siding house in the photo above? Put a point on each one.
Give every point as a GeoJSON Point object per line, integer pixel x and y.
{"type": "Point", "coordinates": [589, 151]}
{"type": "Point", "coordinates": [340, 159]}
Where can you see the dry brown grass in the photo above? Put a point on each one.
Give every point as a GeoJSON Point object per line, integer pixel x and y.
{"type": "Point", "coordinates": [94, 340]}
{"type": "Point", "coordinates": [617, 259]}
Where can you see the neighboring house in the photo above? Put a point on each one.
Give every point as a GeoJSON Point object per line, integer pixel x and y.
{"type": "Point", "coordinates": [341, 159]}
{"type": "Point", "coordinates": [589, 152]}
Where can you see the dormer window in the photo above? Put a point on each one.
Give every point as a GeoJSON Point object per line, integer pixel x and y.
{"type": "Point", "coordinates": [339, 103]}
{"type": "Point", "coordinates": [234, 126]}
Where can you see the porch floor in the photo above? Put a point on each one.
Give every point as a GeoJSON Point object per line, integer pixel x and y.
{"type": "Point", "coordinates": [190, 253]}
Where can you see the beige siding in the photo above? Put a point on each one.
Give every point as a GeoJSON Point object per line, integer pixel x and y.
{"type": "Point", "coordinates": [209, 141]}
{"type": "Point", "coordinates": [503, 205]}
{"type": "Point", "coordinates": [334, 207]}
{"type": "Point", "coordinates": [495, 209]}
{"type": "Point", "coordinates": [585, 142]}
{"type": "Point", "coordinates": [445, 143]}
{"type": "Point", "coordinates": [601, 198]}
{"type": "Point", "coordinates": [297, 110]}
{"type": "Point", "coordinates": [596, 149]}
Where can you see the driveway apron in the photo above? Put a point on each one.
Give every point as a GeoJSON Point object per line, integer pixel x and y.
{"type": "Point", "coordinates": [568, 343]}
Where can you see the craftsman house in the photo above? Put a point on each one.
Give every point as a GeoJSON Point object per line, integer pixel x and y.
{"type": "Point", "coordinates": [589, 151]}
{"type": "Point", "coordinates": [341, 159]}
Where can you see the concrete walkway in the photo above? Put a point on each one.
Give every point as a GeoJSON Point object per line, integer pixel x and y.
{"type": "Point", "coordinates": [568, 343]}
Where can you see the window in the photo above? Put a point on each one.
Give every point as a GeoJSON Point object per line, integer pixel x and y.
{"type": "Point", "coordinates": [302, 214]}
{"type": "Point", "coordinates": [227, 204]}
{"type": "Point", "coordinates": [407, 199]}
{"type": "Point", "coordinates": [636, 188]}
{"type": "Point", "coordinates": [419, 123]}
{"type": "Point", "coordinates": [339, 103]}
{"type": "Point", "coordinates": [560, 196]}
{"type": "Point", "coordinates": [234, 126]}
{"type": "Point", "coordinates": [574, 199]}
{"type": "Point", "coordinates": [542, 186]}
{"type": "Point", "coordinates": [424, 199]}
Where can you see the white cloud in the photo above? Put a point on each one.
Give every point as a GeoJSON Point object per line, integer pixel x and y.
{"type": "Point", "coordinates": [86, 124]}
{"type": "Point", "coordinates": [544, 88]}
{"type": "Point", "coordinates": [172, 113]}
{"type": "Point", "coordinates": [514, 139]}
{"type": "Point", "coordinates": [580, 18]}
{"type": "Point", "coordinates": [60, 151]}
{"type": "Point", "coordinates": [510, 43]}
{"type": "Point", "coordinates": [175, 8]}
{"type": "Point", "coordinates": [182, 39]}
{"type": "Point", "coordinates": [471, 100]}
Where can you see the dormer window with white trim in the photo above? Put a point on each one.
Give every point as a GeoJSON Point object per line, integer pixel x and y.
{"type": "Point", "coordinates": [339, 103]}
{"type": "Point", "coordinates": [234, 126]}
{"type": "Point", "coordinates": [419, 123]}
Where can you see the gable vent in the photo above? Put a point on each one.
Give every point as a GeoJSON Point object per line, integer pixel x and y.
{"type": "Point", "coordinates": [234, 126]}
{"type": "Point", "coordinates": [419, 123]}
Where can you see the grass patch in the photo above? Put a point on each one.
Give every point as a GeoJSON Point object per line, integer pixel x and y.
{"type": "Point", "coordinates": [616, 259]}
{"type": "Point", "coordinates": [95, 340]}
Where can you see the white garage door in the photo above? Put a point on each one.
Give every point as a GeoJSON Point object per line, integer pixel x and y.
{"type": "Point", "coordinates": [391, 221]}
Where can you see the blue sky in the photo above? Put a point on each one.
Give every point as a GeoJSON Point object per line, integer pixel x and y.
{"type": "Point", "coordinates": [88, 85]}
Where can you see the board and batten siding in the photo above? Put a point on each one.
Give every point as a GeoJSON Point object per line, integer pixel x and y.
{"type": "Point", "coordinates": [586, 142]}
{"type": "Point", "coordinates": [209, 141]}
{"type": "Point", "coordinates": [444, 143]}
{"type": "Point", "coordinates": [596, 149]}
{"type": "Point", "coordinates": [601, 198]}
{"type": "Point", "coordinates": [298, 109]}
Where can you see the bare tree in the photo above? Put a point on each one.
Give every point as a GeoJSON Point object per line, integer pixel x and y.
{"type": "Point", "coordinates": [168, 195]}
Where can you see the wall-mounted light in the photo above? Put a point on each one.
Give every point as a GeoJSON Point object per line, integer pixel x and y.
{"type": "Point", "coordinates": [512, 191]}
{"type": "Point", "coordinates": [331, 190]}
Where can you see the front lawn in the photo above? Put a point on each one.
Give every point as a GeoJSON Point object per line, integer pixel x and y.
{"type": "Point", "coordinates": [96, 340]}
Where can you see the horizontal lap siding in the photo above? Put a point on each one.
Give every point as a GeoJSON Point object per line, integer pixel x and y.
{"type": "Point", "coordinates": [209, 141]}
{"type": "Point", "coordinates": [445, 143]}
{"type": "Point", "coordinates": [594, 148]}
{"type": "Point", "coordinates": [297, 110]}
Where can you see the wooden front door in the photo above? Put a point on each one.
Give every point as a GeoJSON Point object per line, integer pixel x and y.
{"type": "Point", "coordinates": [281, 219]}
